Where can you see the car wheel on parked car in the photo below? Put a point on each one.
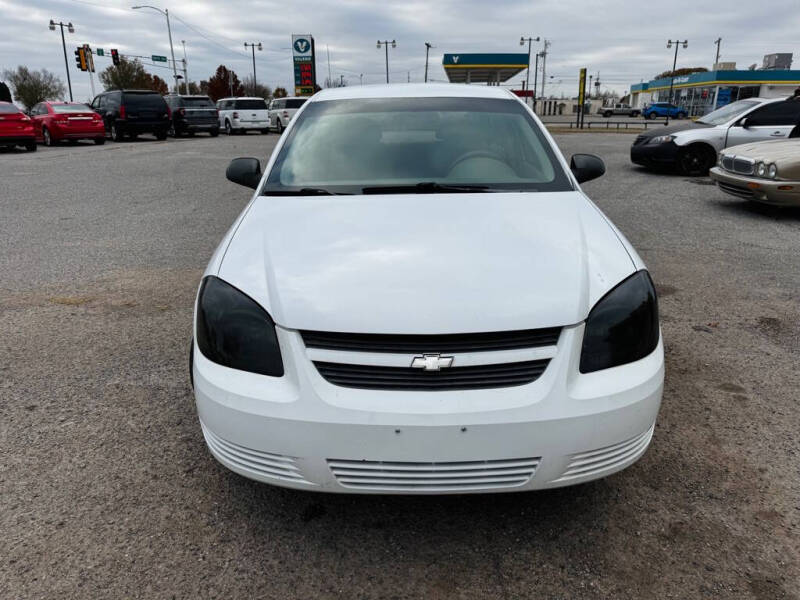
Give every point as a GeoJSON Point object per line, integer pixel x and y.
{"type": "Point", "coordinates": [214, 132]}
{"type": "Point", "coordinates": [116, 133]}
{"type": "Point", "coordinates": [280, 126]}
{"type": "Point", "coordinates": [651, 116]}
{"type": "Point", "coordinates": [608, 113]}
{"type": "Point", "coordinates": [265, 131]}
{"type": "Point", "coordinates": [161, 135]}
{"type": "Point", "coordinates": [30, 146]}
{"type": "Point", "coordinates": [48, 139]}
{"type": "Point", "coordinates": [228, 128]}
{"type": "Point", "coordinates": [696, 160]}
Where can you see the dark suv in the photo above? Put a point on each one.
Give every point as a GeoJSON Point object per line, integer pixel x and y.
{"type": "Point", "coordinates": [190, 114]}
{"type": "Point", "coordinates": [131, 112]}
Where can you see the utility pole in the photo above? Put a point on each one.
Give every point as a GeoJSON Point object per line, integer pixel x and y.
{"type": "Point", "coordinates": [386, 43]}
{"type": "Point", "coordinates": [71, 29]}
{"type": "Point", "coordinates": [185, 70]}
{"type": "Point", "coordinates": [427, 50]}
{"type": "Point", "coordinates": [677, 43]}
{"type": "Point", "coordinates": [522, 41]}
{"type": "Point", "coordinates": [330, 79]}
{"type": "Point", "coordinates": [361, 79]}
{"type": "Point", "coordinates": [253, 46]}
{"type": "Point", "coordinates": [230, 81]}
{"type": "Point", "coordinates": [341, 80]}
{"type": "Point", "coordinates": [90, 64]}
{"type": "Point", "coordinates": [165, 12]}
{"type": "Point", "coordinates": [718, 41]}
{"type": "Point", "coordinates": [536, 80]}
{"type": "Point", "coordinates": [544, 65]}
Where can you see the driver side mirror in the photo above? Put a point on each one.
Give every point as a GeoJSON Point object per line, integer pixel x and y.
{"type": "Point", "coordinates": [244, 171]}
{"type": "Point", "coordinates": [743, 123]}
{"type": "Point", "coordinates": [586, 167]}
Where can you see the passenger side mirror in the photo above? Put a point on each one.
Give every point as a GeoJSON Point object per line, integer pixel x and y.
{"type": "Point", "coordinates": [743, 122]}
{"type": "Point", "coordinates": [244, 171]}
{"type": "Point", "coordinates": [586, 167]}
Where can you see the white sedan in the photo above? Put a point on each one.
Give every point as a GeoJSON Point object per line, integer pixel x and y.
{"type": "Point", "coordinates": [419, 299]}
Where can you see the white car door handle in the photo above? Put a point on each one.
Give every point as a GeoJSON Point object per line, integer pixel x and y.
{"type": "Point", "coordinates": [776, 134]}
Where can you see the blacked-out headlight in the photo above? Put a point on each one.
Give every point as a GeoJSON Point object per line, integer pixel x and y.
{"type": "Point", "coordinates": [234, 331]}
{"type": "Point", "coordinates": [623, 326]}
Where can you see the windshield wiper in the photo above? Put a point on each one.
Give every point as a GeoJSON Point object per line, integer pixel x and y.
{"type": "Point", "coordinates": [301, 192]}
{"type": "Point", "coordinates": [425, 187]}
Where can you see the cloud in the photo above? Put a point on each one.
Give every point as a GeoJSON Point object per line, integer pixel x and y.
{"type": "Point", "coordinates": [623, 40]}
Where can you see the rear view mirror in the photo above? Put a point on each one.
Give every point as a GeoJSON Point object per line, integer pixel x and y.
{"type": "Point", "coordinates": [586, 167]}
{"type": "Point", "coordinates": [244, 171]}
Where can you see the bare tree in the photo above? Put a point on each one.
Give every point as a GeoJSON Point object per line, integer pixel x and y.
{"type": "Point", "coordinates": [31, 87]}
{"type": "Point", "coordinates": [261, 91]}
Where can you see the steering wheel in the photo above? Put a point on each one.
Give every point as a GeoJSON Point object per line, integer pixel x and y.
{"type": "Point", "coordinates": [475, 154]}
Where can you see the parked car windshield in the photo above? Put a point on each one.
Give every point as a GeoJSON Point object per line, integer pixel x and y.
{"type": "Point", "coordinates": [386, 145]}
{"type": "Point", "coordinates": [251, 105]}
{"type": "Point", "coordinates": [139, 101]}
{"type": "Point", "coordinates": [726, 113]}
{"type": "Point", "coordinates": [198, 102]}
{"type": "Point", "coordinates": [295, 102]}
{"type": "Point", "coordinates": [70, 108]}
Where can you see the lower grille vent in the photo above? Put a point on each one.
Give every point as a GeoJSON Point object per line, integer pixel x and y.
{"type": "Point", "coordinates": [454, 378]}
{"type": "Point", "coordinates": [446, 476]}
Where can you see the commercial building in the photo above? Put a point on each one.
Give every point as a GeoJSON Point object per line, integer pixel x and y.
{"type": "Point", "coordinates": [700, 93]}
{"type": "Point", "coordinates": [492, 69]}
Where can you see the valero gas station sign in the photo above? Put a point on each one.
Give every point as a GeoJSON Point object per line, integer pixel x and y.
{"type": "Point", "coordinates": [305, 67]}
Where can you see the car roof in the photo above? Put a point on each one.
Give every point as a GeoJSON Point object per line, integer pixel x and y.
{"type": "Point", "coordinates": [413, 90]}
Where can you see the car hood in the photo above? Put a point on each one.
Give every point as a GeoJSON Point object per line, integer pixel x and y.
{"type": "Point", "coordinates": [426, 263]}
{"type": "Point", "coordinates": [673, 129]}
{"type": "Point", "coordinates": [780, 152]}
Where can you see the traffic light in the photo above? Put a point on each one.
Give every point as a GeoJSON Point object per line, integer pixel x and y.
{"type": "Point", "coordinates": [115, 57]}
{"type": "Point", "coordinates": [80, 58]}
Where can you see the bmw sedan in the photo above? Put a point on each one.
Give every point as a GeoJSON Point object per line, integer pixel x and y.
{"type": "Point", "coordinates": [420, 299]}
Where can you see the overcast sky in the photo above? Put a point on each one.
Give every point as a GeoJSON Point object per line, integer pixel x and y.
{"type": "Point", "coordinates": [624, 40]}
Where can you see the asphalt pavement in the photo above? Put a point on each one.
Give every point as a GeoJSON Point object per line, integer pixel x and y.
{"type": "Point", "coordinates": [107, 489]}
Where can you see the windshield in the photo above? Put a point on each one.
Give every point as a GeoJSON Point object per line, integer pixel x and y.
{"type": "Point", "coordinates": [423, 145]}
{"type": "Point", "coordinates": [198, 102]}
{"type": "Point", "coordinates": [151, 101]}
{"type": "Point", "coordinates": [70, 108]}
{"type": "Point", "coordinates": [251, 105]}
{"type": "Point", "coordinates": [726, 113]}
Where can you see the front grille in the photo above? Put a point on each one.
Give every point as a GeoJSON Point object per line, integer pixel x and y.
{"type": "Point", "coordinates": [727, 162]}
{"type": "Point", "coordinates": [745, 166]}
{"type": "Point", "coordinates": [420, 344]}
{"type": "Point", "coordinates": [735, 190]}
{"type": "Point", "coordinates": [444, 476]}
{"type": "Point", "coordinates": [595, 462]}
{"type": "Point", "coordinates": [265, 464]}
{"type": "Point", "coordinates": [454, 378]}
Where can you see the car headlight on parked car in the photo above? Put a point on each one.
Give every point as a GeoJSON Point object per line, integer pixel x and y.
{"type": "Point", "coordinates": [772, 171]}
{"type": "Point", "coordinates": [623, 325]}
{"type": "Point", "coordinates": [234, 331]}
{"type": "Point", "coordinates": [761, 169]}
{"type": "Point", "coordinates": [662, 139]}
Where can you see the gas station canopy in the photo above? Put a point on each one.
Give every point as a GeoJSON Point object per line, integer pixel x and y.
{"type": "Point", "coordinates": [483, 68]}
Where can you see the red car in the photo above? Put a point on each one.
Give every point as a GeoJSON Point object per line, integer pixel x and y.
{"type": "Point", "coordinates": [16, 128]}
{"type": "Point", "coordinates": [56, 121]}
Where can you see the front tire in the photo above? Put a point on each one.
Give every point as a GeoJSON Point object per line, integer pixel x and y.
{"type": "Point", "coordinates": [696, 160]}
{"type": "Point", "coordinates": [47, 138]}
{"type": "Point", "coordinates": [651, 116]}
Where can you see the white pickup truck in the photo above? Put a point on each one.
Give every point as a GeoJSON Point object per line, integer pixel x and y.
{"type": "Point", "coordinates": [618, 109]}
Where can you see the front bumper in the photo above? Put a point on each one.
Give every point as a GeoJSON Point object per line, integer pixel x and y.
{"type": "Point", "coordinates": [302, 432]}
{"type": "Point", "coordinates": [654, 155]}
{"type": "Point", "coordinates": [757, 188]}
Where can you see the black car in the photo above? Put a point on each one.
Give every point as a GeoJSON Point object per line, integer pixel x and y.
{"type": "Point", "coordinates": [132, 112]}
{"type": "Point", "coordinates": [191, 114]}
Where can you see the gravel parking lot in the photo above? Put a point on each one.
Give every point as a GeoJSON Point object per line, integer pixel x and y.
{"type": "Point", "coordinates": [108, 491]}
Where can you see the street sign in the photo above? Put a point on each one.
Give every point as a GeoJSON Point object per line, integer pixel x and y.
{"type": "Point", "coordinates": [157, 58]}
{"type": "Point", "coordinates": [99, 52]}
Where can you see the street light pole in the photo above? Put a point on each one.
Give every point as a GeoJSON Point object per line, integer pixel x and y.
{"type": "Point", "coordinates": [535, 81]}
{"type": "Point", "coordinates": [185, 69]}
{"type": "Point", "coordinates": [677, 43]}
{"type": "Point", "coordinates": [253, 46]}
{"type": "Point", "coordinates": [165, 12]}
{"type": "Point", "coordinates": [427, 49]}
{"type": "Point", "coordinates": [522, 41]}
{"type": "Point", "coordinates": [386, 43]}
{"type": "Point", "coordinates": [718, 41]}
{"type": "Point", "coordinates": [71, 29]}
